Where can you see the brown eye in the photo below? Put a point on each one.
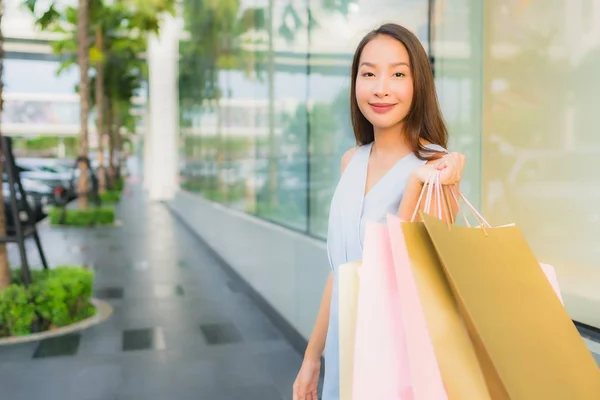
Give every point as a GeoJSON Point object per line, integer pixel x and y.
{"type": "Point", "coordinates": [399, 75]}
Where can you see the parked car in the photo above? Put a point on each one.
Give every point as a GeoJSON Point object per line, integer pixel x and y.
{"type": "Point", "coordinates": [61, 181]}
{"type": "Point", "coordinates": [39, 197]}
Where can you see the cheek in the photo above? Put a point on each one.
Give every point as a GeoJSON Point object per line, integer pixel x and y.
{"type": "Point", "coordinates": [363, 92]}
{"type": "Point", "coordinates": [404, 90]}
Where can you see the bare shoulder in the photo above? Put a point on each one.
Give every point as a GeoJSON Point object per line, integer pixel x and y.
{"type": "Point", "coordinates": [347, 157]}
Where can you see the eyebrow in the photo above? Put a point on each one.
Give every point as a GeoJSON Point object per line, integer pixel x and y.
{"type": "Point", "coordinates": [368, 64]}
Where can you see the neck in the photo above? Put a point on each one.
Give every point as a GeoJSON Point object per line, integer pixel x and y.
{"type": "Point", "coordinates": [390, 142]}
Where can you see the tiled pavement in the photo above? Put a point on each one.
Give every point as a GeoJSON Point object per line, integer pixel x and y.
{"type": "Point", "coordinates": [182, 329]}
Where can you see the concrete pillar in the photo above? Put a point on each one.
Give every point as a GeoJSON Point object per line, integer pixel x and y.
{"type": "Point", "coordinates": [147, 155]}
{"type": "Point", "coordinates": [160, 164]}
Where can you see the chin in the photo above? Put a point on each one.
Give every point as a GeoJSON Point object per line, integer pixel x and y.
{"type": "Point", "coordinates": [384, 123]}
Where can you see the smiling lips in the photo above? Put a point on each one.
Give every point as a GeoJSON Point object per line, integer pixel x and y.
{"type": "Point", "coordinates": [381, 108]}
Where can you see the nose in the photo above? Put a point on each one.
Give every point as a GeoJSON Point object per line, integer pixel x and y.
{"type": "Point", "coordinates": [381, 87]}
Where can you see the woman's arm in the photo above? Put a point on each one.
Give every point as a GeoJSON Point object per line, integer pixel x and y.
{"type": "Point", "coordinates": [316, 344]}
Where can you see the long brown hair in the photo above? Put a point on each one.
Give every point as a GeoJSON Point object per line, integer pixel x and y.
{"type": "Point", "coordinates": [424, 119]}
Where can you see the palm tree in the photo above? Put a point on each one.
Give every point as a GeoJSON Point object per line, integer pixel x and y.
{"type": "Point", "coordinates": [100, 100]}
{"type": "Point", "coordinates": [83, 23]}
{"type": "Point", "coordinates": [82, 17]}
{"type": "Point", "coordinates": [5, 278]}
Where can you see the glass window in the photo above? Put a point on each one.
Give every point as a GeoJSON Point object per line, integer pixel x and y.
{"type": "Point", "coordinates": [264, 106]}
{"type": "Point", "coordinates": [336, 29]}
{"type": "Point", "coordinates": [540, 144]}
{"type": "Point", "coordinates": [281, 147]}
{"type": "Point", "coordinates": [457, 52]}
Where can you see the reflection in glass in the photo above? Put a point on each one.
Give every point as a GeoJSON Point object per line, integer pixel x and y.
{"type": "Point", "coordinates": [540, 144]}
{"type": "Point", "coordinates": [264, 89]}
{"type": "Point", "coordinates": [457, 49]}
{"type": "Point", "coordinates": [336, 29]}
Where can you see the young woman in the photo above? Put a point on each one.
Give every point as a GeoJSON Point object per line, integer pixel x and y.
{"type": "Point", "coordinates": [401, 140]}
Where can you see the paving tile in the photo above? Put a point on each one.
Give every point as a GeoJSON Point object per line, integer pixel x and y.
{"type": "Point", "coordinates": [109, 293]}
{"type": "Point", "coordinates": [235, 286]}
{"type": "Point", "coordinates": [101, 340]}
{"type": "Point", "coordinates": [260, 331]}
{"type": "Point", "coordinates": [62, 346]}
{"type": "Point", "coordinates": [253, 392]}
{"type": "Point", "coordinates": [17, 352]}
{"type": "Point", "coordinates": [165, 291]}
{"type": "Point", "coordinates": [216, 334]}
{"type": "Point", "coordinates": [171, 333]}
{"type": "Point", "coordinates": [143, 339]}
{"type": "Point", "coordinates": [283, 367]}
{"type": "Point", "coordinates": [37, 379]}
{"type": "Point", "coordinates": [96, 381]}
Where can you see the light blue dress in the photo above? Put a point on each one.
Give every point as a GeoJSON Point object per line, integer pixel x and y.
{"type": "Point", "coordinates": [348, 213]}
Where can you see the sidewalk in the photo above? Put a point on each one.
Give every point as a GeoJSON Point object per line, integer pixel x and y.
{"type": "Point", "coordinates": [181, 329]}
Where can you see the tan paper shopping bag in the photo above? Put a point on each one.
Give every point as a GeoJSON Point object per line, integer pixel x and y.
{"type": "Point", "coordinates": [527, 345]}
{"type": "Point", "coordinates": [456, 356]}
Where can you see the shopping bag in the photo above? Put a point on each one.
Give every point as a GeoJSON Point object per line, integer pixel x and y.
{"type": "Point", "coordinates": [348, 285]}
{"type": "Point", "coordinates": [441, 358]}
{"type": "Point", "coordinates": [526, 343]}
{"type": "Point", "coordinates": [380, 360]}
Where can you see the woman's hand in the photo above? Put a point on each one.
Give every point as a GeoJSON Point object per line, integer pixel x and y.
{"type": "Point", "coordinates": [307, 381]}
{"type": "Point", "coordinates": [450, 167]}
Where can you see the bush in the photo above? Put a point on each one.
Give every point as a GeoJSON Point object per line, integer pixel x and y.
{"type": "Point", "coordinates": [57, 297]}
{"type": "Point", "coordinates": [76, 217]}
{"type": "Point", "coordinates": [119, 184]}
{"type": "Point", "coordinates": [110, 196]}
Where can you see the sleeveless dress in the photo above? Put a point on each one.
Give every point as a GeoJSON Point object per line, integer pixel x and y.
{"type": "Point", "coordinates": [348, 212]}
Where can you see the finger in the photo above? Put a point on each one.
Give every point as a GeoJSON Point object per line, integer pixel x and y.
{"type": "Point", "coordinates": [295, 391]}
{"type": "Point", "coordinates": [302, 394]}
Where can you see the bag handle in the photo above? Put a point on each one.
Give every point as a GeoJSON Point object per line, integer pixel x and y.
{"type": "Point", "coordinates": [433, 184]}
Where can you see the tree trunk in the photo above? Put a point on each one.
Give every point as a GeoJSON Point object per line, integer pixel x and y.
{"type": "Point", "coordinates": [100, 110]}
{"type": "Point", "coordinates": [4, 267]}
{"type": "Point", "coordinates": [112, 137]}
{"type": "Point", "coordinates": [119, 156]}
{"type": "Point", "coordinates": [84, 96]}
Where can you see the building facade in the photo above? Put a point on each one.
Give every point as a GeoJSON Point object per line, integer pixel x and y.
{"type": "Point", "coordinates": [263, 119]}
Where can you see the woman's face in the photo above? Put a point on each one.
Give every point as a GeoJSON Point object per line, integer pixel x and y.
{"type": "Point", "coordinates": [384, 84]}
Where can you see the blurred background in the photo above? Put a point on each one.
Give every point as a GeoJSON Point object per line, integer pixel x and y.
{"type": "Point", "coordinates": [234, 114]}
{"type": "Point", "coordinates": [265, 118]}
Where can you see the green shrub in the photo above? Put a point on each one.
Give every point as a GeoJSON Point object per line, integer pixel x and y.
{"type": "Point", "coordinates": [110, 196]}
{"type": "Point", "coordinates": [76, 217]}
{"type": "Point", "coordinates": [17, 312]}
{"type": "Point", "coordinates": [56, 298]}
{"type": "Point", "coordinates": [119, 184]}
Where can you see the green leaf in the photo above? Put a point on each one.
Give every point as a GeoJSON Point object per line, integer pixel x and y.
{"type": "Point", "coordinates": [48, 18]}
{"type": "Point", "coordinates": [96, 55]}
{"type": "Point", "coordinates": [65, 65]}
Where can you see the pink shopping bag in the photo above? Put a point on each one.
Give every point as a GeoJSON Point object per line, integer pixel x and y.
{"type": "Point", "coordinates": [380, 359]}
{"type": "Point", "coordinates": [426, 378]}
